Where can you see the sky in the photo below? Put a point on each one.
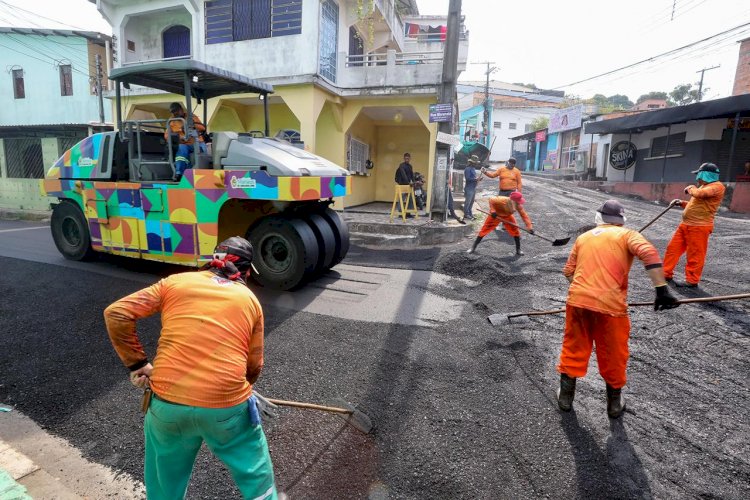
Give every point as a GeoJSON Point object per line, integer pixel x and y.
{"type": "Point", "coordinates": [546, 42]}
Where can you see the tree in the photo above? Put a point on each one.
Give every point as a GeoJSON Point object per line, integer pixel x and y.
{"type": "Point", "coordinates": [685, 94]}
{"type": "Point", "coordinates": [652, 95]}
{"type": "Point", "coordinates": [539, 123]}
{"type": "Point", "coordinates": [611, 103]}
{"type": "Point", "coordinates": [529, 85]}
{"type": "Point", "coordinates": [620, 101]}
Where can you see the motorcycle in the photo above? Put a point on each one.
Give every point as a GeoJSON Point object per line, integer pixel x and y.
{"type": "Point", "coordinates": [419, 193]}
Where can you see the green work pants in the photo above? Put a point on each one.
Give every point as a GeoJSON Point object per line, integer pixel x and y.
{"type": "Point", "coordinates": [174, 434]}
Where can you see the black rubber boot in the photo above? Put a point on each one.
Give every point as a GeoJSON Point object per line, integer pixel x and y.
{"type": "Point", "coordinates": [566, 392]}
{"type": "Point", "coordinates": [615, 402]}
{"type": "Point", "coordinates": [474, 246]}
{"type": "Point", "coordinates": [518, 245]}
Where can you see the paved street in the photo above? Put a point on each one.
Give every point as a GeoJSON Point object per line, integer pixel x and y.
{"type": "Point", "coordinates": [462, 409]}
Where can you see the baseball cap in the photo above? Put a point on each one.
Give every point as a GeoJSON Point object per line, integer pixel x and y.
{"type": "Point", "coordinates": [517, 197]}
{"type": "Point", "coordinates": [612, 212]}
{"type": "Point", "coordinates": [707, 167]}
{"type": "Point", "coordinates": [511, 160]}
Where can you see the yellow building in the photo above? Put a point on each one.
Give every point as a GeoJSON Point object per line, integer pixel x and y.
{"type": "Point", "coordinates": [353, 81]}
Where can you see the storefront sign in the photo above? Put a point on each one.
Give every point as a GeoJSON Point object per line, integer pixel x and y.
{"type": "Point", "coordinates": [540, 136]}
{"type": "Point", "coordinates": [566, 119]}
{"type": "Point", "coordinates": [622, 156]}
{"type": "Point", "coordinates": [441, 113]}
{"type": "Point", "coordinates": [442, 163]}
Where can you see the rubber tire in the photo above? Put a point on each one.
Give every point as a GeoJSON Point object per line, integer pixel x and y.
{"type": "Point", "coordinates": [299, 241]}
{"type": "Point", "coordinates": [326, 242]}
{"type": "Point", "coordinates": [68, 212]}
{"type": "Point", "coordinates": [340, 232]}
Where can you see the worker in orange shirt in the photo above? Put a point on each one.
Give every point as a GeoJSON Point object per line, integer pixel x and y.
{"type": "Point", "coordinates": [501, 210]}
{"type": "Point", "coordinates": [597, 311]}
{"type": "Point", "coordinates": [185, 148]}
{"type": "Point", "coordinates": [510, 177]}
{"type": "Point", "coordinates": [696, 226]}
{"type": "Point", "coordinates": [210, 353]}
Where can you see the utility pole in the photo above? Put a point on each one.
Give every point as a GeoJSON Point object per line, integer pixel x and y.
{"type": "Point", "coordinates": [99, 77]}
{"type": "Point", "coordinates": [700, 84]}
{"type": "Point", "coordinates": [486, 130]}
{"type": "Point", "coordinates": [446, 94]}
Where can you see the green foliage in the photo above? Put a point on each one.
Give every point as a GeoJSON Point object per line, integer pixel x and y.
{"type": "Point", "coordinates": [611, 103]}
{"type": "Point", "coordinates": [529, 85]}
{"type": "Point", "coordinates": [652, 95]}
{"type": "Point", "coordinates": [685, 94]}
{"type": "Point", "coordinates": [539, 123]}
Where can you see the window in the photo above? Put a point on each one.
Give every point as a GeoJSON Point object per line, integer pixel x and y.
{"type": "Point", "coordinates": [235, 20]}
{"type": "Point", "coordinates": [653, 106]}
{"type": "Point", "coordinates": [66, 79]}
{"type": "Point", "coordinates": [176, 41]}
{"type": "Point", "coordinates": [498, 124]}
{"type": "Point", "coordinates": [329, 24]}
{"type": "Point", "coordinates": [23, 158]}
{"type": "Point", "coordinates": [131, 45]}
{"type": "Point", "coordinates": [357, 154]}
{"type": "Point", "coordinates": [19, 91]}
{"type": "Point", "coordinates": [512, 126]}
{"type": "Point", "coordinates": [676, 145]}
{"type": "Point", "coordinates": [527, 127]}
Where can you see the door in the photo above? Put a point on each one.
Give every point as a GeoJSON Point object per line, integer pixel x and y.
{"type": "Point", "coordinates": [176, 41]}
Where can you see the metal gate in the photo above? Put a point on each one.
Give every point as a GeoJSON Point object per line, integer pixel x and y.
{"type": "Point", "coordinates": [23, 157]}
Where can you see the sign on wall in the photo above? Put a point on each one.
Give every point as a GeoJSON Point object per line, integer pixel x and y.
{"type": "Point", "coordinates": [566, 119]}
{"type": "Point", "coordinates": [622, 156]}
{"type": "Point", "coordinates": [441, 113]}
{"type": "Point", "coordinates": [540, 136]}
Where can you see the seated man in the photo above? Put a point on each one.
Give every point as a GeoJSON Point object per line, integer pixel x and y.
{"type": "Point", "coordinates": [185, 148]}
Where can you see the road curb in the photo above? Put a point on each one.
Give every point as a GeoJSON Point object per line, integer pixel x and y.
{"type": "Point", "coordinates": [29, 215]}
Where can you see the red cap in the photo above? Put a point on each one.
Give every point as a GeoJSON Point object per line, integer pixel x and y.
{"type": "Point", "coordinates": [517, 197]}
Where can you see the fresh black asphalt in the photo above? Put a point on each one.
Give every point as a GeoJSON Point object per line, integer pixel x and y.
{"type": "Point", "coordinates": [462, 409]}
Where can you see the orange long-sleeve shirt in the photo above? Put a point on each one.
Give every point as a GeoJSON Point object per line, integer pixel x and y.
{"type": "Point", "coordinates": [210, 351]}
{"type": "Point", "coordinates": [175, 127]}
{"type": "Point", "coordinates": [510, 178]}
{"type": "Point", "coordinates": [503, 207]}
{"type": "Point", "coordinates": [599, 264]}
{"type": "Point", "coordinates": [703, 205]}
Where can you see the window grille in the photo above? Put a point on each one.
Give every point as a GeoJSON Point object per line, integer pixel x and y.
{"type": "Point", "coordinates": [676, 145]}
{"type": "Point", "coordinates": [66, 79]}
{"type": "Point", "coordinates": [357, 154]}
{"type": "Point", "coordinates": [19, 90]}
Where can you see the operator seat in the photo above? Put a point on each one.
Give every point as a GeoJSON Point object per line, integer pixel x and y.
{"type": "Point", "coordinates": [220, 146]}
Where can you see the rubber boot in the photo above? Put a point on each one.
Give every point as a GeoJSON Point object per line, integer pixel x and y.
{"type": "Point", "coordinates": [615, 402]}
{"type": "Point", "coordinates": [566, 392]}
{"type": "Point", "coordinates": [474, 246]}
{"type": "Point", "coordinates": [518, 245]}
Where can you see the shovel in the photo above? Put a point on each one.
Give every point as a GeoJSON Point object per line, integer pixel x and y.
{"type": "Point", "coordinates": [555, 243]}
{"type": "Point", "coordinates": [351, 415]}
{"type": "Point", "coordinates": [497, 319]}
{"type": "Point", "coordinates": [656, 218]}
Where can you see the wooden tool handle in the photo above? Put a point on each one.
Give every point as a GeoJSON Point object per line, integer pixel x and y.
{"type": "Point", "coordinates": [311, 406]}
{"type": "Point", "coordinates": [503, 221]}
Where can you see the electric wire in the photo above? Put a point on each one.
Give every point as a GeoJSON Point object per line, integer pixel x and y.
{"type": "Point", "coordinates": [20, 9]}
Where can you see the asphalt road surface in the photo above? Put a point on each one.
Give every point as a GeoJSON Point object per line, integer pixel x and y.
{"type": "Point", "coordinates": [462, 409]}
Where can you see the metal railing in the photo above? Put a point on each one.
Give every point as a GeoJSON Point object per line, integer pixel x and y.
{"type": "Point", "coordinates": [366, 60]}
{"type": "Point", "coordinates": [401, 58]}
{"type": "Point", "coordinates": [133, 129]}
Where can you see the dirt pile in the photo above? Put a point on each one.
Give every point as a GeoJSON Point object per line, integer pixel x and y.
{"type": "Point", "coordinates": [480, 268]}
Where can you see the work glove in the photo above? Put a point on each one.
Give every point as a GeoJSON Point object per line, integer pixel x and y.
{"type": "Point", "coordinates": [263, 406]}
{"type": "Point", "coordinates": [493, 215]}
{"type": "Point", "coordinates": [664, 299]}
{"type": "Point", "coordinates": [531, 230]}
{"type": "Point", "coordinates": [676, 203]}
{"type": "Point", "coordinates": [688, 188]}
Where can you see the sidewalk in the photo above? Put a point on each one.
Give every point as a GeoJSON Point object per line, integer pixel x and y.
{"type": "Point", "coordinates": [42, 466]}
{"type": "Point", "coordinates": [370, 225]}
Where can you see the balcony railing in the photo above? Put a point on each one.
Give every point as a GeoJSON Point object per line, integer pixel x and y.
{"type": "Point", "coordinates": [390, 69]}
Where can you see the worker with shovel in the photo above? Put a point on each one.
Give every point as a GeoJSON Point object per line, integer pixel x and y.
{"type": "Point", "coordinates": [696, 226]}
{"type": "Point", "coordinates": [210, 354]}
{"type": "Point", "coordinates": [596, 310]}
{"type": "Point", "coordinates": [501, 210]}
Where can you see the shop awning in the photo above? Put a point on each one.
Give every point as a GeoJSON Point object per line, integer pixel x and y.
{"type": "Point", "coordinates": [727, 107]}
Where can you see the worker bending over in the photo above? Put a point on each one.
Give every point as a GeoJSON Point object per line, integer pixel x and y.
{"type": "Point", "coordinates": [510, 177]}
{"type": "Point", "coordinates": [696, 226]}
{"type": "Point", "coordinates": [597, 311]}
{"type": "Point", "coordinates": [501, 210]}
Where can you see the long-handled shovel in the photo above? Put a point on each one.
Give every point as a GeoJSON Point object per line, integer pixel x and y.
{"type": "Point", "coordinates": [555, 243]}
{"type": "Point", "coordinates": [656, 218]}
{"type": "Point", "coordinates": [351, 415]}
{"type": "Point", "coordinates": [497, 319]}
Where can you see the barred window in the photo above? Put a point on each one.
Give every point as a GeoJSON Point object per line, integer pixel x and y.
{"type": "Point", "coordinates": [66, 79]}
{"type": "Point", "coordinates": [357, 154]}
{"type": "Point", "coordinates": [498, 124]}
{"type": "Point", "coordinates": [19, 90]}
{"type": "Point", "coordinates": [234, 20]}
{"type": "Point", "coordinates": [676, 145]}
{"type": "Point", "coordinates": [23, 157]}
{"type": "Point", "coordinates": [512, 126]}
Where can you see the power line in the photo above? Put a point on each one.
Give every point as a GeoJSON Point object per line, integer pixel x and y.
{"type": "Point", "coordinates": [15, 7]}
{"type": "Point", "coordinates": [57, 61]}
{"type": "Point", "coordinates": [653, 58]}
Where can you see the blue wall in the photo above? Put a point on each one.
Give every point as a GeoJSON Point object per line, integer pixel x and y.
{"type": "Point", "coordinates": [39, 56]}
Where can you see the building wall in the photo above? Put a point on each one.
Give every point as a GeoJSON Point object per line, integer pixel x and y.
{"type": "Point", "coordinates": [742, 75]}
{"type": "Point", "coordinates": [39, 57]}
{"type": "Point", "coordinates": [145, 31]}
{"type": "Point", "coordinates": [392, 143]}
{"type": "Point", "coordinates": [521, 117]}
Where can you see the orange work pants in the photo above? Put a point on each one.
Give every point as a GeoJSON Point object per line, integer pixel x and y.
{"type": "Point", "coordinates": [490, 223]}
{"type": "Point", "coordinates": [583, 329]}
{"type": "Point", "coordinates": [694, 240]}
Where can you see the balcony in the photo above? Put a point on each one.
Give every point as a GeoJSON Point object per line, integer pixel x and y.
{"type": "Point", "coordinates": [392, 20]}
{"type": "Point", "coordinates": [390, 69]}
